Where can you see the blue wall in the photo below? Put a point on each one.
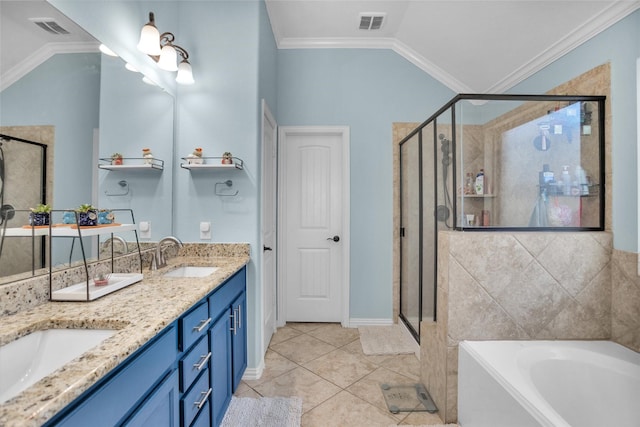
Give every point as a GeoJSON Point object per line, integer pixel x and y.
{"type": "Point", "coordinates": [619, 45]}
{"type": "Point", "coordinates": [366, 90]}
{"type": "Point", "coordinates": [133, 116]}
{"type": "Point", "coordinates": [64, 91]}
{"type": "Point", "coordinates": [219, 113]}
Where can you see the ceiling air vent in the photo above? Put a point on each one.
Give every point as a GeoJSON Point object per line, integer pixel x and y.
{"type": "Point", "coordinates": [49, 25]}
{"type": "Point", "coordinates": [371, 21]}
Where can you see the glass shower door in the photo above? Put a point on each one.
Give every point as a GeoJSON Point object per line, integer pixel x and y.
{"type": "Point", "coordinates": [410, 234]}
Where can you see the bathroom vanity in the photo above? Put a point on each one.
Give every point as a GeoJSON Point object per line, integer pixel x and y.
{"type": "Point", "coordinates": [178, 353]}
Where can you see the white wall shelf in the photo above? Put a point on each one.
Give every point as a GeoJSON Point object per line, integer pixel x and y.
{"type": "Point", "coordinates": [211, 163]}
{"type": "Point", "coordinates": [132, 163]}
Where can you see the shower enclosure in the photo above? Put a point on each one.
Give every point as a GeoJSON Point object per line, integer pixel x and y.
{"type": "Point", "coordinates": [491, 163]}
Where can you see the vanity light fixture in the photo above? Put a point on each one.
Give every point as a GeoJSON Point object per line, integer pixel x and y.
{"type": "Point", "coordinates": [162, 49]}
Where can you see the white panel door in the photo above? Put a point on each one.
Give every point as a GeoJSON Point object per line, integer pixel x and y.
{"type": "Point", "coordinates": [269, 174]}
{"type": "Point", "coordinates": [313, 223]}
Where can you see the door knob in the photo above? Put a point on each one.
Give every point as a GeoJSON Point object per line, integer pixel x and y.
{"type": "Point", "coordinates": [334, 238]}
{"type": "Point", "coordinates": [266, 248]}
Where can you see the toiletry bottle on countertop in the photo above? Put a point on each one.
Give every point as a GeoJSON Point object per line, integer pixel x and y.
{"type": "Point", "coordinates": [480, 182]}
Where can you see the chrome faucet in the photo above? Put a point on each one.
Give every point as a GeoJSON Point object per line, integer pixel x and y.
{"type": "Point", "coordinates": [119, 239]}
{"type": "Point", "coordinates": [158, 260]}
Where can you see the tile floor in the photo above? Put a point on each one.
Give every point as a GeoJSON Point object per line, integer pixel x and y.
{"type": "Point", "coordinates": [323, 364]}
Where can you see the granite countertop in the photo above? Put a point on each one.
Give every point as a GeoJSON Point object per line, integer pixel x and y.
{"type": "Point", "coordinates": [138, 312]}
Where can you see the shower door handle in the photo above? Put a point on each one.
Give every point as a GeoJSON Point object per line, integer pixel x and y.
{"type": "Point", "coordinates": [334, 238]}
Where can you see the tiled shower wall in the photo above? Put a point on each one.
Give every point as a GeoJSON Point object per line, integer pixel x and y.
{"type": "Point", "coordinates": [513, 286]}
{"type": "Point", "coordinates": [625, 299]}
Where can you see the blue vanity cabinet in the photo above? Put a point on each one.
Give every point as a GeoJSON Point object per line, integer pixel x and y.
{"type": "Point", "coordinates": [184, 376]}
{"type": "Point", "coordinates": [228, 338]}
{"type": "Point", "coordinates": [128, 394]}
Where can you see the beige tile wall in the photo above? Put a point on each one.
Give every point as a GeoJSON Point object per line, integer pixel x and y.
{"type": "Point", "coordinates": [529, 286]}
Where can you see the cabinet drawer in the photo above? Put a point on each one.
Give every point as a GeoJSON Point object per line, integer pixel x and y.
{"type": "Point", "coordinates": [194, 325]}
{"type": "Point", "coordinates": [195, 399]}
{"type": "Point", "coordinates": [224, 295]}
{"type": "Point", "coordinates": [196, 361]}
{"type": "Point", "coordinates": [204, 417]}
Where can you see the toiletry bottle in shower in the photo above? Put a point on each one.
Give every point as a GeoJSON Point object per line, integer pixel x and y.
{"type": "Point", "coordinates": [480, 182]}
{"type": "Point", "coordinates": [468, 186]}
{"type": "Point", "coordinates": [566, 181]}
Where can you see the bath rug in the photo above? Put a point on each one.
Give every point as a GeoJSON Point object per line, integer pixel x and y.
{"type": "Point", "coordinates": [263, 412]}
{"type": "Point", "coordinates": [381, 340]}
{"type": "Point", "coordinates": [429, 425]}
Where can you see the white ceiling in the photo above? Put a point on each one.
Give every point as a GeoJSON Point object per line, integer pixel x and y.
{"type": "Point", "coordinates": [471, 46]}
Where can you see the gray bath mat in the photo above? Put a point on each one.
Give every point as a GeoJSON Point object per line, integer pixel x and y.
{"type": "Point", "coordinates": [263, 412]}
{"type": "Point", "coordinates": [381, 340]}
{"type": "Point", "coordinates": [408, 398]}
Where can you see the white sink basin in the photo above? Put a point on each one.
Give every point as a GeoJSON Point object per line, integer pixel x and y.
{"type": "Point", "coordinates": [28, 359]}
{"type": "Point", "coordinates": [191, 271]}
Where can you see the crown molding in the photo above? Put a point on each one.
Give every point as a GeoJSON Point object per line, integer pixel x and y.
{"type": "Point", "coordinates": [378, 43]}
{"type": "Point", "coordinates": [45, 52]}
{"type": "Point", "coordinates": [612, 14]}
{"type": "Point", "coordinates": [591, 28]}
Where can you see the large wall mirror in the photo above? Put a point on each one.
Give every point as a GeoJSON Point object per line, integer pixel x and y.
{"type": "Point", "coordinates": [68, 105]}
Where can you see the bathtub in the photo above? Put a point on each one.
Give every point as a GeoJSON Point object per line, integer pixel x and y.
{"type": "Point", "coordinates": [548, 383]}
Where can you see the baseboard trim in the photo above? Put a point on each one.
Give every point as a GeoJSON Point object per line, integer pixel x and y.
{"type": "Point", "coordinates": [253, 373]}
{"type": "Point", "coordinates": [355, 322]}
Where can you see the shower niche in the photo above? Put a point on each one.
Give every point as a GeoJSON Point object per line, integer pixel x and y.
{"type": "Point", "coordinates": [495, 163]}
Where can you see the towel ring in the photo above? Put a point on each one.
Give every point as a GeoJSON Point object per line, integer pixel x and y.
{"type": "Point", "coordinates": [228, 183]}
{"type": "Point", "coordinates": [122, 184]}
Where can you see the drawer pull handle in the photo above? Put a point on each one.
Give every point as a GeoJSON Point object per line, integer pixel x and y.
{"type": "Point", "coordinates": [203, 361]}
{"type": "Point", "coordinates": [203, 324]}
{"type": "Point", "coordinates": [202, 401]}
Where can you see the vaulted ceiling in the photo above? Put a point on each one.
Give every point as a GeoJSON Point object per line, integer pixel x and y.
{"type": "Point", "coordinates": [482, 46]}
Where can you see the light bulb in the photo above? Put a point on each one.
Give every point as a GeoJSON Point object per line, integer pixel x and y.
{"type": "Point", "coordinates": [149, 40]}
{"type": "Point", "coordinates": [168, 58]}
{"type": "Point", "coordinates": [185, 75]}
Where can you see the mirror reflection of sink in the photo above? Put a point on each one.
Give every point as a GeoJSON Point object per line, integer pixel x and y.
{"type": "Point", "coordinates": [191, 271]}
{"type": "Point", "coordinates": [28, 359]}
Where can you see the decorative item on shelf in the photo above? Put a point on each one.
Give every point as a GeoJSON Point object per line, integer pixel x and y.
{"type": "Point", "coordinates": [227, 158]}
{"type": "Point", "coordinates": [195, 158]}
{"type": "Point", "coordinates": [40, 215]}
{"type": "Point", "coordinates": [116, 159]}
{"type": "Point", "coordinates": [69, 218]}
{"type": "Point", "coordinates": [101, 275]}
{"type": "Point", "coordinates": [105, 216]}
{"type": "Point", "coordinates": [87, 215]}
{"type": "Point", "coordinates": [147, 156]}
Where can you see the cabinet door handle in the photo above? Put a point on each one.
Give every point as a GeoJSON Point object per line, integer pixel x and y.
{"type": "Point", "coordinates": [203, 361]}
{"type": "Point", "coordinates": [239, 316]}
{"type": "Point", "coordinates": [203, 324]}
{"type": "Point", "coordinates": [233, 321]}
{"type": "Point", "coordinates": [202, 401]}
